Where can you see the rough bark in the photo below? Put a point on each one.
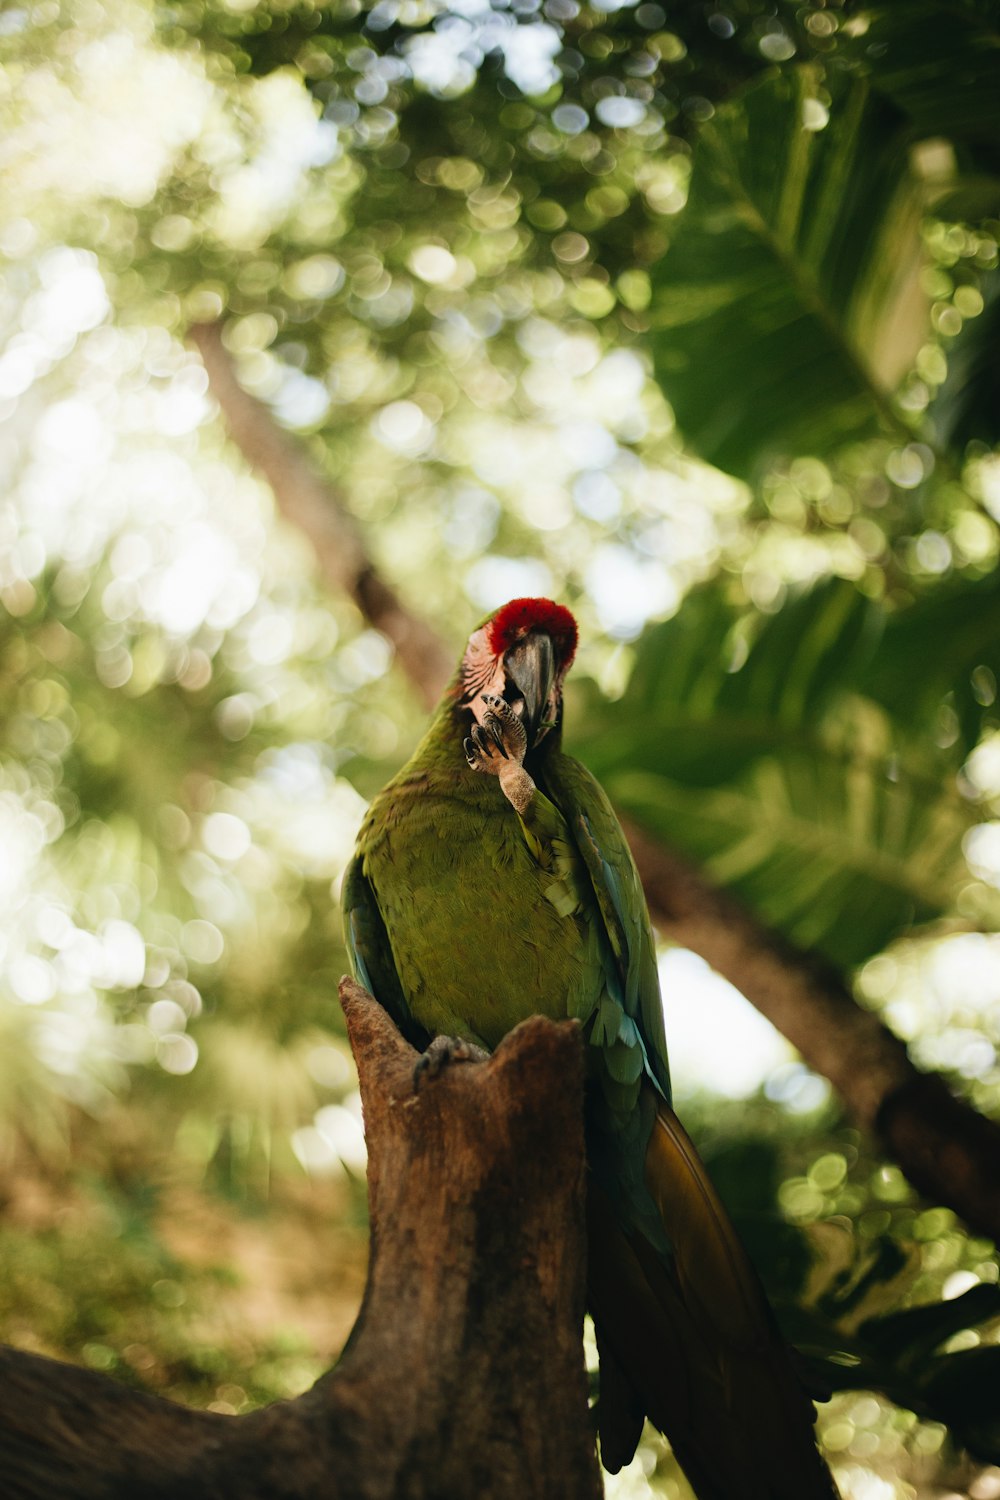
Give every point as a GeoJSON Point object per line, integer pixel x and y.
{"type": "Point", "coordinates": [464, 1373]}
{"type": "Point", "coordinates": [947, 1150]}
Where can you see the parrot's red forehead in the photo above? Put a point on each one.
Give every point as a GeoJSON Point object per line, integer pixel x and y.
{"type": "Point", "coordinates": [521, 615]}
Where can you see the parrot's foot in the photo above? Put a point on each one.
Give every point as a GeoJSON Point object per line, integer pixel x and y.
{"type": "Point", "coordinates": [442, 1052]}
{"type": "Point", "coordinates": [497, 746]}
{"type": "Point", "coordinates": [500, 737]}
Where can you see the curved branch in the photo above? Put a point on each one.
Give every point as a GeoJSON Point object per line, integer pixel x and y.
{"type": "Point", "coordinates": [310, 502]}
{"type": "Point", "coordinates": [464, 1373]}
{"type": "Point", "coordinates": [946, 1149]}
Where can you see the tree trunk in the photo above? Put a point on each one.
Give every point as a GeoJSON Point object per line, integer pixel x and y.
{"type": "Point", "coordinates": [464, 1374]}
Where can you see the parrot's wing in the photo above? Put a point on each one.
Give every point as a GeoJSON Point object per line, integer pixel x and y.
{"type": "Point", "coordinates": [370, 951]}
{"type": "Point", "coordinates": [603, 848]}
{"type": "Point", "coordinates": [685, 1336]}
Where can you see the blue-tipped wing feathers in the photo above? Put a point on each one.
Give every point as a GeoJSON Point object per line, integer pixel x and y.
{"type": "Point", "coordinates": [634, 985]}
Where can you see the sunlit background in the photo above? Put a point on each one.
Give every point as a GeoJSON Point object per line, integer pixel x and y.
{"type": "Point", "coordinates": [440, 240]}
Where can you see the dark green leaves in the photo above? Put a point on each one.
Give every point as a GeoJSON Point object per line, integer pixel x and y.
{"type": "Point", "coordinates": [914, 1334]}
{"type": "Point", "coordinates": [713, 687]}
{"type": "Point", "coordinates": [762, 748]}
{"type": "Point", "coordinates": [774, 308]}
{"type": "Point", "coordinates": [788, 307]}
{"type": "Point", "coordinates": [905, 1355]}
{"type": "Point", "coordinates": [945, 646]}
{"type": "Point", "coordinates": [939, 64]}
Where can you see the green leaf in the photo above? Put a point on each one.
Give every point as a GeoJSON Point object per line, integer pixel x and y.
{"type": "Point", "coordinates": [774, 310]}
{"type": "Point", "coordinates": [827, 848]}
{"type": "Point", "coordinates": [961, 1391]}
{"type": "Point", "coordinates": [715, 688]}
{"type": "Point", "coordinates": [918, 1331]}
{"type": "Point", "coordinates": [946, 645]}
{"type": "Point", "coordinates": [939, 64]}
{"type": "Point", "coordinates": [897, 1355]}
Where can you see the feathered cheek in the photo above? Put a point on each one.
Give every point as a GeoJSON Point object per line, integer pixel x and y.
{"type": "Point", "coordinates": [493, 685]}
{"type": "Point", "coordinates": [482, 672]}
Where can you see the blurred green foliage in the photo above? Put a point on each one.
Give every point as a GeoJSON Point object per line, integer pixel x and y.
{"type": "Point", "coordinates": [122, 1265]}
{"type": "Point", "coordinates": [516, 274]}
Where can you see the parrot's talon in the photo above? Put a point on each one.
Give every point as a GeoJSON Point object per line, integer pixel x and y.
{"type": "Point", "coordinates": [442, 1052]}
{"type": "Point", "coordinates": [500, 737]}
{"type": "Point", "coordinates": [492, 724]}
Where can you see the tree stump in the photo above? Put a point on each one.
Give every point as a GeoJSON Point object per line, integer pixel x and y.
{"type": "Point", "coordinates": [464, 1373]}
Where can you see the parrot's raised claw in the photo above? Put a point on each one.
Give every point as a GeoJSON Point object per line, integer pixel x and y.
{"type": "Point", "coordinates": [442, 1052]}
{"type": "Point", "coordinates": [504, 725]}
{"type": "Point", "coordinates": [497, 747]}
{"type": "Point", "coordinates": [481, 748]}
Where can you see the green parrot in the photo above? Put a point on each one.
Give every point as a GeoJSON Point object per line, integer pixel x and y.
{"type": "Point", "coordinates": [492, 881]}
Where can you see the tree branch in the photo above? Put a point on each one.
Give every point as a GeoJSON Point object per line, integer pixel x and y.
{"type": "Point", "coordinates": [947, 1150]}
{"type": "Point", "coordinates": [464, 1373]}
{"type": "Point", "coordinates": [309, 501]}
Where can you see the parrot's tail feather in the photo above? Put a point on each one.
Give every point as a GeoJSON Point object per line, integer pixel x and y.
{"type": "Point", "coordinates": [695, 1339]}
{"type": "Point", "coordinates": [620, 1413]}
{"type": "Point", "coordinates": [719, 1283]}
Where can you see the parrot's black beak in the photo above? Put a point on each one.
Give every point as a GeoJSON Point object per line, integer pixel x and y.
{"type": "Point", "coordinates": [531, 668]}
